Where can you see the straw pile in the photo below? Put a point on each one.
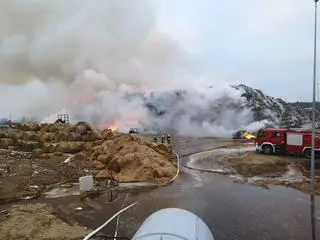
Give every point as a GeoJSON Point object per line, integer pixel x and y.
{"type": "Point", "coordinates": [132, 158]}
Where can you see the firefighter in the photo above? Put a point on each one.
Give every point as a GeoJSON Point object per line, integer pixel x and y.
{"type": "Point", "coordinates": [155, 139]}
{"type": "Point", "coordinates": [168, 139]}
{"type": "Point", "coordinates": [163, 139]}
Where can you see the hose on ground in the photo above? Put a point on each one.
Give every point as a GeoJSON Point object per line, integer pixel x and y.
{"type": "Point", "coordinates": [178, 168]}
{"type": "Point", "coordinates": [107, 222]}
{"type": "Point", "coordinates": [118, 217]}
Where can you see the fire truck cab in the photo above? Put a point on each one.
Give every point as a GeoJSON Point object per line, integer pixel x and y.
{"type": "Point", "coordinates": [287, 141]}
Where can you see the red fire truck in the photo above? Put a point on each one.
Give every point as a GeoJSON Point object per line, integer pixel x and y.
{"type": "Point", "coordinates": [288, 141]}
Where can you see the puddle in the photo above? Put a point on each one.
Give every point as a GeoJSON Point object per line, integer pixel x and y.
{"type": "Point", "coordinates": [136, 185]}
{"type": "Point", "coordinates": [73, 189]}
{"type": "Point", "coordinates": [236, 151]}
{"type": "Point", "coordinates": [63, 191]}
{"type": "Point", "coordinates": [205, 161]}
{"type": "Point", "coordinates": [209, 162]}
{"type": "Point", "coordinates": [293, 175]}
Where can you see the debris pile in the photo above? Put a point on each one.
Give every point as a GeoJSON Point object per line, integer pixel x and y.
{"type": "Point", "coordinates": [24, 177]}
{"type": "Point", "coordinates": [132, 158]}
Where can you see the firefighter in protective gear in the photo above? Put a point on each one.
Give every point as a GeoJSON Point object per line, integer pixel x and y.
{"type": "Point", "coordinates": [163, 139]}
{"type": "Point", "coordinates": [155, 139]}
{"type": "Point", "coordinates": [168, 139]}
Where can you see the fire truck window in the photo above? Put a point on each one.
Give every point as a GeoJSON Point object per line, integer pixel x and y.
{"type": "Point", "coordinates": [275, 135]}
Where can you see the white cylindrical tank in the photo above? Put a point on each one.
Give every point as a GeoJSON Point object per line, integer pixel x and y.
{"type": "Point", "coordinates": [172, 224]}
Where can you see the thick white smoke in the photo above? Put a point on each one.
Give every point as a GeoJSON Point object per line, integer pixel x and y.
{"type": "Point", "coordinates": [87, 56]}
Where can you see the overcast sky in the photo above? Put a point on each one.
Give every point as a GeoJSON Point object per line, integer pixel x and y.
{"type": "Point", "coordinates": [267, 44]}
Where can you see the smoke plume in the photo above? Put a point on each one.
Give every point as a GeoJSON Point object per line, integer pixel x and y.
{"type": "Point", "coordinates": [101, 60]}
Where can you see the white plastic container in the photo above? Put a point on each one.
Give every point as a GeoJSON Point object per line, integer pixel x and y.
{"type": "Point", "coordinates": [86, 183]}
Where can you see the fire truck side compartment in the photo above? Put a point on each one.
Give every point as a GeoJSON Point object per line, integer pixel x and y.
{"type": "Point", "coordinates": [294, 139]}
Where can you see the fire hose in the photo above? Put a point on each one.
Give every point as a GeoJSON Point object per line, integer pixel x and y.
{"type": "Point", "coordinates": [178, 167]}
{"type": "Point", "coordinates": [107, 222]}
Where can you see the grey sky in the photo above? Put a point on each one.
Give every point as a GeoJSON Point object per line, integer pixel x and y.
{"type": "Point", "coordinates": [266, 44]}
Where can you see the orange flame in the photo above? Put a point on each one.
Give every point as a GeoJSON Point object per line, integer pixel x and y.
{"type": "Point", "coordinates": [249, 136]}
{"type": "Point", "coordinates": [112, 126]}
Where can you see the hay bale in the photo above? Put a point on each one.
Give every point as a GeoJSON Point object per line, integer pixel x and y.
{"type": "Point", "coordinates": [6, 142]}
{"type": "Point", "coordinates": [24, 127]}
{"type": "Point", "coordinates": [3, 133]}
{"type": "Point", "coordinates": [49, 128]}
{"type": "Point", "coordinates": [74, 136]}
{"type": "Point", "coordinates": [75, 147]}
{"type": "Point", "coordinates": [13, 133]}
{"type": "Point", "coordinates": [35, 127]}
{"type": "Point", "coordinates": [30, 136]}
{"type": "Point", "coordinates": [88, 146]}
{"type": "Point", "coordinates": [69, 147]}
{"type": "Point", "coordinates": [82, 128]}
{"type": "Point", "coordinates": [59, 136]}
{"type": "Point", "coordinates": [93, 136]}
{"type": "Point", "coordinates": [58, 154]}
{"type": "Point", "coordinates": [46, 137]}
{"type": "Point", "coordinates": [44, 127]}
{"type": "Point", "coordinates": [162, 172]}
{"type": "Point", "coordinates": [48, 147]}
{"type": "Point", "coordinates": [105, 158]}
{"type": "Point", "coordinates": [62, 147]}
{"type": "Point", "coordinates": [97, 165]}
{"type": "Point", "coordinates": [11, 148]}
{"type": "Point", "coordinates": [36, 152]}
{"type": "Point", "coordinates": [80, 156]}
{"type": "Point", "coordinates": [28, 146]}
{"type": "Point", "coordinates": [84, 125]}
{"type": "Point", "coordinates": [108, 134]}
{"type": "Point", "coordinates": [114, 166]}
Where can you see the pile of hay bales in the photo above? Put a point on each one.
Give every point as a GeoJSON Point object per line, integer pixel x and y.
{"type": "Point", "coordinates": [132, 158]}
{"type": "Point", "coordinates": [50, 138]}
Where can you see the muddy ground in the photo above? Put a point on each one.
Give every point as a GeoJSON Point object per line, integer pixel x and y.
{"type": "Point", "coordinates": [45, 223]}
{"type": "Point", "coordinates": [25, 177]}
{"type": "Point", "coordinates": [266, 170]}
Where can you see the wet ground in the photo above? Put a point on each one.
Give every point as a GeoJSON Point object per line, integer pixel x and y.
{"type": "Point", "coordinates": [231, 209]}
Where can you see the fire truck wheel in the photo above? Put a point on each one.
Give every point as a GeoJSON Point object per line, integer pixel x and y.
{"type": "Point", "coordinates": [267, 149]}
{"type": "Point", "coordinates": [307, 153]}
